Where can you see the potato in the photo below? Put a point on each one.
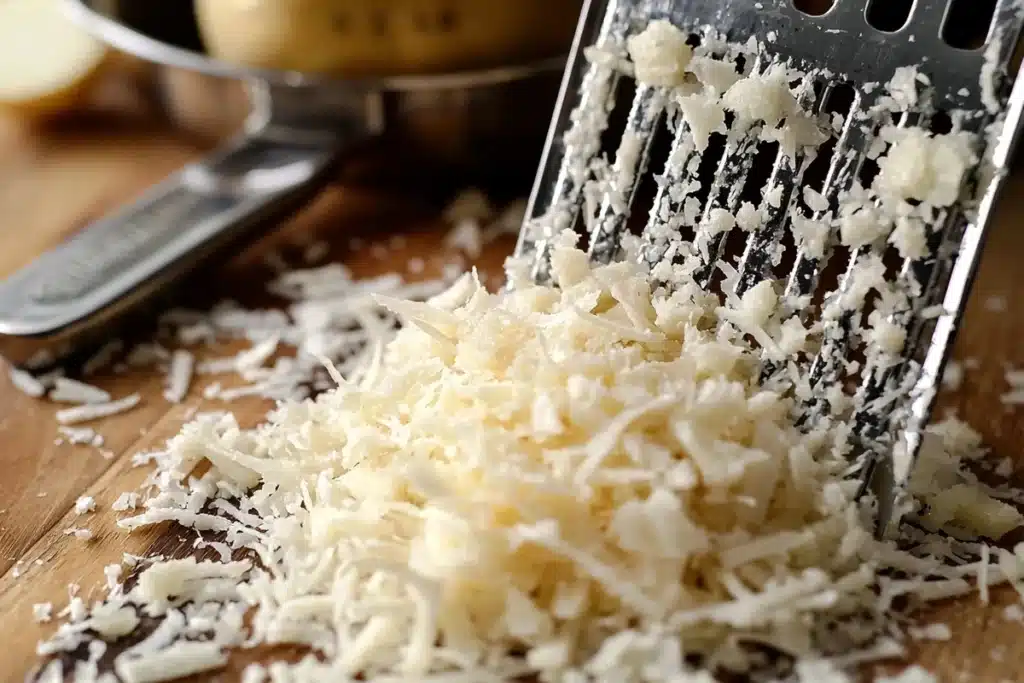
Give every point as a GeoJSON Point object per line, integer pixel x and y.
{"type": "Point", "coordinates": [385, 37]}
{"type": "Point", "coordinates": [46, 62]}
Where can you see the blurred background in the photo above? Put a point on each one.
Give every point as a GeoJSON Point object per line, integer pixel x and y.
{"type": "Point", "coordinates": [59, 80]}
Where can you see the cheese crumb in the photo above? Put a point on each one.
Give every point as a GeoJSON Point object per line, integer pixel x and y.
{"type": "Point", "coordinates": [125, 501]}
{"type": "Point", "coordinates": [762, 98]}
{"type": "Point", "coordinates": [923, 167]}
{"type": "Point", "coordinates": [934, 632]}
{"type": "Point", "coordinates": [704, 115]}
{"type": "Point", "coordinates": [80, 534]}
{"type": "Point", "coordinates": [72, 391]}
{"type": "Point", "coordinates": [94, 411]}
{"type": "Point", "coordinates": [179, 376]}
{"type": "Point", "coordinates": [26, 383]}
{"type": "Point", "coordinates": [84, 505]}
{"type": "Point", "coordinates": [660, 55]}
{"type": "Point", "coordinates": [42, 612]}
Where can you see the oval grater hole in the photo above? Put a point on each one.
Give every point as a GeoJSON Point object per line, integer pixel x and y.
{"type": "Point", "coordinates": [889, 15]}
{"type": "Point", "coordinates": [968, 23]}
{"type": "Point", "coordinates": [941, 123]}
{"type": "Point", "coordinates": [814, 8]}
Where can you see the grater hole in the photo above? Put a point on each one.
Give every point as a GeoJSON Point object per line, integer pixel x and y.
{"type": "Point", "coordinates": [647, 189]}
{"type": "Point", "coordinates": [867, 172]}
{"type": "Point", "coordinates": [968, 23]}
{"type": "Point", "coordinates": [889, 15]}
{"type": "Point", "coordinates": [814, 8]}
{"type": "Point", "coordinates": [611, 137]}
{"type": "Point", "coordinates": [817, 171]}
{"type": "Point", "coordinates": [941, 123]}
{"type": "Point", "coordinates": [760, 172]}
{"type": "Point", "coordinates": [839, 102]}
{"type": "Point", "coordinates": [732, 251]}
{"type": "Point", "coordinates": [840, 99]}
{"type": "Point", "coordinates": [818, 88]}
{"type": "Point", "coordinates": [735, 244]}
{"type": "Point", "coordinates": [710, 159]}
{"type": "Point", "coordinates": [893, 262]}
{"type": "Point", "coordinates": [786, 255]}
{"type": "Point", "coordinates": [618, 118]}
{"type": "Point", "coordinates": [833, 270]}
{"type": "Point", "coordinates": [741, 64]}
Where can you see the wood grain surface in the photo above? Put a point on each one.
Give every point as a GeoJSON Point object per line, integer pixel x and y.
{"type": "Point", "coordinates": [50, 185]}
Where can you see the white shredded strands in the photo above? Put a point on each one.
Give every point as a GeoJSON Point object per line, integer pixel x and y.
{"type": "Point", "coordinates": [80, 534]}
{"type": "Point", "coordinates": [184, 659]}
{"type": "Point", "coordinates": [81, 435]}
{"type": "Point", "coordinates": [126, 501]}
{"type": "Point", "coordinates": [26, 383]}
{"type": "Point", "coordinates": [179, 376]}
{"type": "Point", "coordinates": [72, 391]}
{"type": "Point", "coordinates": [95, 411]}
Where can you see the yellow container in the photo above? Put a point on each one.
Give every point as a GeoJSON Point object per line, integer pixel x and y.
{"type": "Point", "coordinates": [385, 37]}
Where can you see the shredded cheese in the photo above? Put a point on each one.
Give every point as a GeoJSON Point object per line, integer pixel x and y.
{"type": "Point", "coordinates": [439, 505]}
{"type": "Point", "coordinates": [660, 54]}
{"type": "Point", "coordinates": [179, 376]}
{"type": "Point", "coordinates": [185, 659]}
{"type": "Point", "coordinates": [84, 505]}
{"type": "Point", "coordinates": [95, 411]}
{"type": "Point", "coordinates": [72, 391]}
{"type": "Point", "coordinates": [26, 383]}
{"type": "Point", "coordinates": [79, 533]}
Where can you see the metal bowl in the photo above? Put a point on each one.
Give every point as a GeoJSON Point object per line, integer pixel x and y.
{"type": "Point", "coordinates": [470, 135]}
{"type": "Point", "coordinates": [472, 120]}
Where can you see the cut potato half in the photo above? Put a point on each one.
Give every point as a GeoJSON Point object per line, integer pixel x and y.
{"type": "Point", "coordinates": [46, 61]}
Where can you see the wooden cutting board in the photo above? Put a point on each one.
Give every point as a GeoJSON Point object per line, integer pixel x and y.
{"type": "Point", "coordinates": [51, 185]}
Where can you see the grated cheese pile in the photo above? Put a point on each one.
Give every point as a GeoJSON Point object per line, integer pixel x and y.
{"type": "Point", "coordinates": [583, 482]}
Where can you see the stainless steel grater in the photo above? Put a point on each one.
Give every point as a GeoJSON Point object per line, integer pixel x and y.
{"type": "Point", "coordinates": [618, 153]}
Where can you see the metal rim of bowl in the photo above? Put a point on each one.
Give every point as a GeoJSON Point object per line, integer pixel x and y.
{"type": "Point", "coordinates": [125, 38]}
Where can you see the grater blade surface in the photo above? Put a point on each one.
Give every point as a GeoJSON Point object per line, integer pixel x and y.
{"type": "Point", "coordinates": [623, 169]}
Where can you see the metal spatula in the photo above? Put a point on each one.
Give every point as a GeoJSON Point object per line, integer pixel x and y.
{"type": "Point", "coordinates": [612, 137]}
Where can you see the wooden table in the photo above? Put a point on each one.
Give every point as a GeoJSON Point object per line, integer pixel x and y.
{"type": "Point", "coordinates": [51, 185]}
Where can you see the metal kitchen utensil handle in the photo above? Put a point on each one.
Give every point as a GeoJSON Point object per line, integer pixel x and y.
{"type": "Point", "coordinates": [81, 286]}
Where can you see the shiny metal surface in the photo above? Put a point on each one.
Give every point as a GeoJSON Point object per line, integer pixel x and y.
{"type": "Point", "coordinates": [470, 133]}
{"type": "Point", "coordinates": [891, 401]}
